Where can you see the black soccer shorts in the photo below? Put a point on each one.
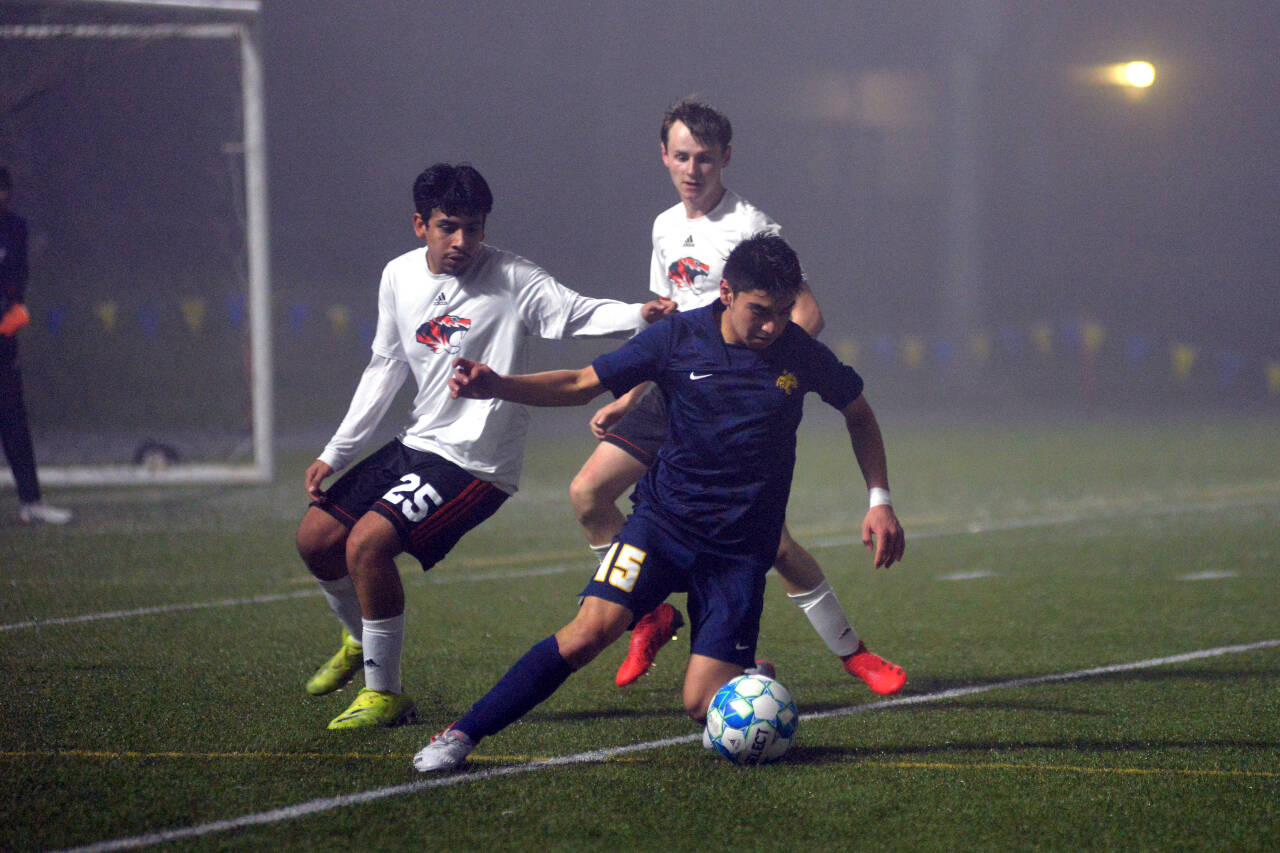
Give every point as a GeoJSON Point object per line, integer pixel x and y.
{"type": "Point", "coordinates": [642, 431]}
{"type": "Point", "coordinates": [430, 501]}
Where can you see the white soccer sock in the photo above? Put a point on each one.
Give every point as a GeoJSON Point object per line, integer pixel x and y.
{"type": "Point", "coordinates": [341, 595]}
{"type": "Point", "coordinates": [383, 641]}
{"type": "Point", "coordinates": [828, 618]}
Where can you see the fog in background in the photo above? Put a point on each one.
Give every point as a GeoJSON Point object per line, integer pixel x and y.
{"type": "Point", "coordinates": [948, 171]}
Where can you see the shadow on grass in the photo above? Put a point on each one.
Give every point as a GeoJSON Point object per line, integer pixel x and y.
{"type": "Point", "coordinates": [843, 754]}
{"type": "Point", "coordinates": [616, 713]}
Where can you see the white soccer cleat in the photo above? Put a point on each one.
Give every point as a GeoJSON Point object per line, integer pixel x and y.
{"type": "Point", "coordinates": [41, 513]}
{"type": "Point", "coordinates": [446, 751]}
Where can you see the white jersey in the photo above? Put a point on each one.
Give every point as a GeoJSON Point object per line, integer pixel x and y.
{"type": "Point", "coordinates": [487, 315]}
{"type": "Point", "coordinates": [689, 254]}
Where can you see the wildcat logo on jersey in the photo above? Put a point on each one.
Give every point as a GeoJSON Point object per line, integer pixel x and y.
{"type": "Point", "coordinates": [444, 333]}
{"type": "Point", "coordinates": [684, 273]}
{"type": "Point", "coordinates": [788, 382]}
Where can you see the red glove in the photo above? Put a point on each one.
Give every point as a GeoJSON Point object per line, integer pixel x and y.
{"type": "Point", "coordinates": [14, 319]}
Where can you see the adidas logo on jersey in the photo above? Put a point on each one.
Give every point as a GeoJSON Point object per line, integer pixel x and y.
{"type": "Point", "coordinates": [688, 241]}
{"type": "Point", "coordinates": [440, 300]}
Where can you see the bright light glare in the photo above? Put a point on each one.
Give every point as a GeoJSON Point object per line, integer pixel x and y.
{"type": "Point", "coordinates": [1139, 74]}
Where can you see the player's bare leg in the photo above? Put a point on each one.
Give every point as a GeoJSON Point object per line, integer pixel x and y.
{"type": "Point", "coordinates": [322, 543]}
{"type": "Point", "coordinates": [596, 626]}
{"type": "Point", "coordinates": [703, 677]}
{"type": "Point", "coordinates": [595, 490]}
{"type": "Point", "coordinates": [807, 587]}
{"type": "Point", "coordinates": [372, 548]}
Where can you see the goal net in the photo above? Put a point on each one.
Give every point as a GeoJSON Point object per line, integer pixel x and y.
{"type": "Point", "coordinates": [133, 132]}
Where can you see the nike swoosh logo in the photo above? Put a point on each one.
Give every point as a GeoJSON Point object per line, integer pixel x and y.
{"type": "Point", "coordinates": [696, 376]}
{"type": "Point", "coordinates": [740, 647]}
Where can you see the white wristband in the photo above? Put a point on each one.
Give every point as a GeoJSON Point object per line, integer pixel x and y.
{"type": "Point", "coordinates": [880, 497]}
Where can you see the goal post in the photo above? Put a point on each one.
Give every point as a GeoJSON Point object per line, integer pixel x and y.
{"type": "Point", "coordinates": [77, 22]}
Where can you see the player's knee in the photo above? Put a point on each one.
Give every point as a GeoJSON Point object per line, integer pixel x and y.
{"type": "Point", "coordinates": [696, 708]}
{"type": "Point", "coordinates": [371, 545]}
{"type": "Point", "coordinates": [320, 545]}
{"type": "Point", "coordinates": [592, 631]}
{"type": "Point", "coordinates": [789, 550]}
{"type": "Point", "coordinates": [584, 495]}
{"type": "Point", "coordinates": [579, 645]}
{"type": "Point", "coordinates": [786, 552]}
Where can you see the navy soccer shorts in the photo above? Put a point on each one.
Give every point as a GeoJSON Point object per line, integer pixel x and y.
{"type": "Point", "coordinates": [642, 431]}
{"type": "Point", "coordinates": [647, 562]}
{"type": "Point", "coordinates": [429, 500]}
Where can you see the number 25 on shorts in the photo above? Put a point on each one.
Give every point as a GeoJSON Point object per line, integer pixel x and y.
{"type": "Point", "coordinates": [621, 566]}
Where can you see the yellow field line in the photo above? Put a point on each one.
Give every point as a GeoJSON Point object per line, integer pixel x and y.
{"type": "Point", "coordinates": [1068, 768]}
{"type": "Point", "coordinates": [520, 759]}
{"type": "Point", "coordinates": [113, 755]}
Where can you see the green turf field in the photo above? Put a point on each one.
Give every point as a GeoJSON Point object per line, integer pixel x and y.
{"type": "Point", "coordinates": [1089, 614]}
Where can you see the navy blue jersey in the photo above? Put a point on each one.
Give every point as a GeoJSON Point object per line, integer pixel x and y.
{"type": "Point", "coordinates": [723, 475]}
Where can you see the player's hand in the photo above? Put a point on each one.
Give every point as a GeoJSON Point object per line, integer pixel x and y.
{"type": "Point", "coordinates": [657, 309]}
{"type": "Point", "coordinates": [472, 380]}
{"type": "Point", "coordinates": [317, 472]}
{"type": "Point", "coordinates": [14, 319]}
{"type": "Point", "coordinates": [883, 536]}
{"type": "Point", "coordinates": [606, 416]}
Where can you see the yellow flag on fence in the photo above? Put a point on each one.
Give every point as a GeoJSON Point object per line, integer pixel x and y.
{"type": "Point", "coordinates": [1273, 379]}
{"type": "Point", "coordinates": [193, 313]}
{"type": "Point", "coordinates": [980, 348]}
{"type": "Point", "coordinates": [107, 313]}
{"type": "Point", "coordinates": [913, 351]}
{"type": "Point", "coordinates": [1092, 336]}
{"type": "Point", "coordinates": [339, 319]}
{"type": "Point", "coordinates": [1042, 338]}
{"type": "Point", "coordinates": [1184, 357]}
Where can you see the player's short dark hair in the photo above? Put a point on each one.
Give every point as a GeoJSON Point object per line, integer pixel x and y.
{"type": "Point", "coordinates": [456, 190]}
{"type": "Point", "coordinates": [708, 126]}
{"type": "Point", "coordinates": [765, 262]}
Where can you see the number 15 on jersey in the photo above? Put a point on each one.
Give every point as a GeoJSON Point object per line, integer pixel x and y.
{"type": "Point", "coordinates": [621, 566]}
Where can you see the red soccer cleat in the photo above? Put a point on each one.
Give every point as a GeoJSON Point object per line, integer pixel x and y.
{"type": "Point", "coordinates": [654, 630]}
{"type": "Point", "coordinates": [880, 675]}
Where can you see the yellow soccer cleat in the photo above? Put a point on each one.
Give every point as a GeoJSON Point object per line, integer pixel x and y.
{"type": "Point", "coordinates": [372, 708]}
{"type": "Point", "coordinates": [339, 669]}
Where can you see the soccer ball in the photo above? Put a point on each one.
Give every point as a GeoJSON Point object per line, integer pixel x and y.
{"type": "Point", "coordinates": [752, 720]}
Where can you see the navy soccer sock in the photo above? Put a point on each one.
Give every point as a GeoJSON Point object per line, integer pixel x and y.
{"type": "Point", "coordinates": [531, 680]}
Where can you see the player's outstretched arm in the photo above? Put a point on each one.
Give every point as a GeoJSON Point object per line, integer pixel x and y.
{"type": "Point", "coordinates": [882, 534]}
{"type": "Point", "coordinates": [551, 388]}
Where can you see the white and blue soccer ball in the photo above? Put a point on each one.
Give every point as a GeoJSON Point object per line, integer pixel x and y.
{"type": "Point", "coordinates": [752, 720]}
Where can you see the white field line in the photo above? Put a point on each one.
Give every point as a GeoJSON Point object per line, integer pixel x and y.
{"type": "Point", "coordinates": [966, 576]}
{"type": "Point", "coordinates": [318, 806]}
{"type": "Point", "coordinates": [971, 528]}
{"type": "Point", "coordinates": [1209, 576]}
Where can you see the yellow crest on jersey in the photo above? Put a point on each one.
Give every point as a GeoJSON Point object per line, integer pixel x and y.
{"type": "Point", "coordinates": [788, 382]}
